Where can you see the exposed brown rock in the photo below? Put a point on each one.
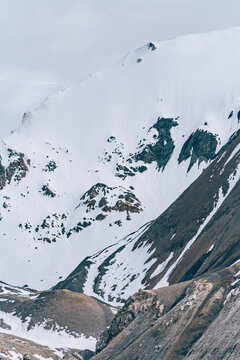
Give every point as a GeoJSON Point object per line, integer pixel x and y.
{"type": "Point", "coordinates": [134, 306]}
{"type": "Point", "coordinates": [200, 320]}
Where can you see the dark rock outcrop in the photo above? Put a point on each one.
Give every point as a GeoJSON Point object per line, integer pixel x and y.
{"type": "Point", "coordinates": [48, 192]}
{"type": "Point", "coordinates": [161, 150]}
{"type": "Point", "coordinates": [15, 170]}
{"type": "Point", "coordinates": [126, 200]}
{"type": "Point", "coordinates": [200, 146]}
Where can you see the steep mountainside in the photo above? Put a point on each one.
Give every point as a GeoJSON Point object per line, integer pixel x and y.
{"type": "Point", "coordinates": [199, 232]}
{"type": "Point", "coordinates": [193, 320]}
{"type": "Point", "coordinates": [103, 157]}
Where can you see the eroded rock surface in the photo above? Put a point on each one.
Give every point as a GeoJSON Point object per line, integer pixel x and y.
{"type": "Point", "coordinates": [198, 320]}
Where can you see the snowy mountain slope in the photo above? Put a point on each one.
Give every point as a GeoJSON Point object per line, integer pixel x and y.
{"type": "Point", "coordinates": [60, 320]}
{"type": "Point", "coordinates": [20, 91]}
{"type": "Point", "coordinates": [14, 347]}
{"type": "Point", "coordinates": [196, 234]}
{"type": "Point", "coordinates": [102, 156]}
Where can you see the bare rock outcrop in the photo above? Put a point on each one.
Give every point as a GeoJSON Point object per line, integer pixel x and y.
{"type": "Point", "coordinates": [198, 320]}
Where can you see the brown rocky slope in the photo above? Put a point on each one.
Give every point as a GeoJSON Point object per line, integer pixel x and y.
{"type": "Point", "coordinates": [50, 323]}
{"type": "Point", "coordinates": [193, 320]}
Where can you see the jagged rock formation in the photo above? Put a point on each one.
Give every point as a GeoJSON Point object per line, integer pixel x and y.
{"type": "Point", "coordinates": [156, 146]}
{"type": "Point", "coordinates": [101, 200]}
{"type": "Point", "coordinates": [162, 148]}
{"type": "Point", "coordinates": [200, 146]}
{"type": "Point", "coordinates": [198, 320]}
{"type": "Point", "coordinates": [135, 306]}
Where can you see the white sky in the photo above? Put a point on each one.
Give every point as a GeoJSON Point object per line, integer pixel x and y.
{"type": "Point", "coordinates": [48, 43]}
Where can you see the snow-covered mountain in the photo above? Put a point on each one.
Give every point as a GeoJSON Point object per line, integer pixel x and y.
{"type": "Point", "coordinates": [103, 157]}
{"type": "Point", "coordinates": [198, 233]}
{"type": "Point", "coordinates": [128, 179]}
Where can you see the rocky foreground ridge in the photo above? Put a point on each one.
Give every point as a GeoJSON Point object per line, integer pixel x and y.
{"type": "Point", "coordinates": [197, 319]}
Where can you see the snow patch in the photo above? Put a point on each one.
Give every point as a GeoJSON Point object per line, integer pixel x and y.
{"type": "Point", "coordinates": [162, 266]}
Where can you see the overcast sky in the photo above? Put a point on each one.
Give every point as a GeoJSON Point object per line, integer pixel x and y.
{"type": "Point", "coordinates": [48, 43]}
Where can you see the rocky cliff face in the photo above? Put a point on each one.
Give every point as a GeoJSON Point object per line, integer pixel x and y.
{"type": "Point", "coordinates": [194, 320]}
{"type": "Point", "coordinates": [136, 305]}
